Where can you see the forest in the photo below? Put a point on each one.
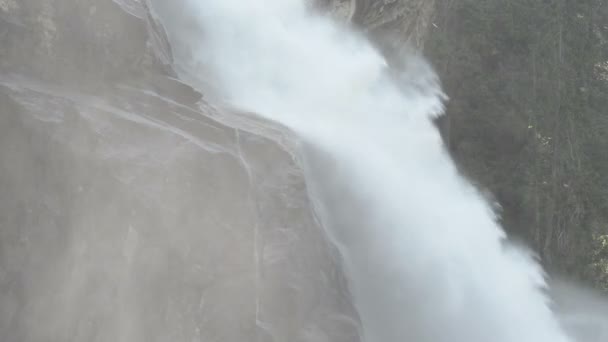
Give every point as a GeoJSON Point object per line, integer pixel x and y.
{"type": "Point", "coordinates": [528, 119]}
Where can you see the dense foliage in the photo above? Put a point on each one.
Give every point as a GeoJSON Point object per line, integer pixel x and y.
{"type": "Point", "coordinates": [528, 118]}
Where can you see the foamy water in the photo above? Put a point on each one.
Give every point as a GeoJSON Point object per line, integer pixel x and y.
{"type": "Point", "coordinates": [425, 258]}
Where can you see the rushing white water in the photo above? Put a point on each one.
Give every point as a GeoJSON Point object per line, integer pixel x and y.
{"type": "Point", "coordinates": [425, 257]}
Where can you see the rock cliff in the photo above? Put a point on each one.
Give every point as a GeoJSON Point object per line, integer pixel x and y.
{"type": "Point", "coordinates": [133, 209]}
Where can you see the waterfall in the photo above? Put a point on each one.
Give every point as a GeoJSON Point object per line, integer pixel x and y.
{"type": "Point", "coordinates": [425, 256]}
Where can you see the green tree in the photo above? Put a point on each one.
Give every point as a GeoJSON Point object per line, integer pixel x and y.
{"type": "Point", "coordinates": [528, 116]}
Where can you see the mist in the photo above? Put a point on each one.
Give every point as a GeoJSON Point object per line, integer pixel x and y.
{"type": "Point", "coordinates": [425, 257]}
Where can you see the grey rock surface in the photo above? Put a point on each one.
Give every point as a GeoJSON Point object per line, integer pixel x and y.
{"type": "Point", "coordinates": [404, 21]}
{"type": "Point", "coordinates": [132, 209]}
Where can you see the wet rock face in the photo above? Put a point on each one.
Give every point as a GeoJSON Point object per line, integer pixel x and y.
{"type": "Point", "coordinates": [84, 41]}
{"type": "Point", "coordinates": [403, 21]}
{"type": "Point", "coordinates": [341, 10]}
{"type": "Point", "coordinates": [398, 21]}
{"type": "Point", "coordinates": [131, 209]}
